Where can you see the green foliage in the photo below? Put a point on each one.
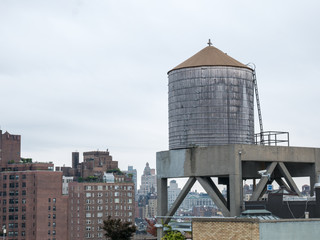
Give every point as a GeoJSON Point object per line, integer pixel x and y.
{"type": "Point", "coordinates": [26, 160]}
{"type": "Point", "coordinates": [117, 230]}
{"type": "Point", "coordinates": [10, 161]}
{"type": "Point", "coordinates": [116, 171]}
{"type": "Point", "coordinates": [92, 179]}
{"type": "Point", "coordinates": [173, 235]}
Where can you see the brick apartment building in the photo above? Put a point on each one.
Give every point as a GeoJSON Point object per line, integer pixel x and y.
{"type": "Point", "coordinates": [31, 201]}
{"type": "Point", "coordinates": [95, 163]}
{"type": "Point", "coordinates": [91, 203]}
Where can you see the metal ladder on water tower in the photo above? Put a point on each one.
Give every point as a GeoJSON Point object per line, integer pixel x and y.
{"type": "Point", "coordinates": [254, 78]}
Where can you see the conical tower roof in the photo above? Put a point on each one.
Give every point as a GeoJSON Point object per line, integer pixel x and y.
{"type": "Point", "coordinates": [210, 56]}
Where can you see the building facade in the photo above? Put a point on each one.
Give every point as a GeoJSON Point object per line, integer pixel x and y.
{"type": "Point", "coordinates": [195, 199]}
{"type": "Point", "coordinates": [148, 181]}
{"type": "Point", "coordinates": [10, 147]}
{"type": "Point", "coordinates": [91, 203]}
{"type": "Point", "coordinates": [173, 192]}
{"type": "Point", "coordinates": [94, 164]}
{"type": "Point", "coordinates": [32, 205]}
{"type": "Point", "coordinates": [31, 202]}
{"type": "Point", "coordinates": [133, 172]}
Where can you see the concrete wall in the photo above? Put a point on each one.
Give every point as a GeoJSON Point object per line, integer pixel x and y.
{"type": "Point", "coordinates": [224, 160]}
{"type": "Point", "coordinates": [293, 230]}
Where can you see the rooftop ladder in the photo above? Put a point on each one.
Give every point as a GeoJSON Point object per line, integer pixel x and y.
{"type": "Point", "coordinates": [254, 78]}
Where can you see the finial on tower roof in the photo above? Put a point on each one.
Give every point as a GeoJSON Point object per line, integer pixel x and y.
{"type": "Point", "coordinates": [209, 43]}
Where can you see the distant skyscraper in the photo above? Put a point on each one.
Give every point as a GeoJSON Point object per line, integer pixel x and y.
{"type": "Point", "coordinates": [133, 172]}
{"type": "Point", "coordinates": [148, 181]}
{"type": "Point", "coordinates": [173, 192]}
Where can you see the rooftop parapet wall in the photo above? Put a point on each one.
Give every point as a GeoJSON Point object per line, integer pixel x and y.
{"type": "Point", "coordinates": [255, 229]}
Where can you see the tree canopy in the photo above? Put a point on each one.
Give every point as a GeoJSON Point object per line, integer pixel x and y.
{"type": "Point", "coordinates": [118, 230]}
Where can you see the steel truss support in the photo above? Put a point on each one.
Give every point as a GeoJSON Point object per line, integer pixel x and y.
{"type": "Point", "coordinates": [184, 192]}
{"type": "Point", "coordinates": [284, 171]}
{"type": "Point", "coordinates": [212, 190]}
{"type": "Point", "coordinates": [263, 182]}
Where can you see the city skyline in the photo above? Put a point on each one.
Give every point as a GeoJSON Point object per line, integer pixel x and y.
{"type": "Point", "coordinates": [79, 75]}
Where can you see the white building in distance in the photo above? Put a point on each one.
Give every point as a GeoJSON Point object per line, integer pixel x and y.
{"type": "Point", "coordinates": [173, 192]}
{"type": "Point", "coordinates": [148, 181]}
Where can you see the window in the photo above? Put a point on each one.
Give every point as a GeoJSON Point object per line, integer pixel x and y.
{"type": "Point", "coordinates": [53, 216]}
{"type": "Point", "coordinates": [88, 194]}
{"type": "Point", "coordinates": [99, 187]}
{"type": "Point", "coordinates": [23, 176]}
{"type": "Point", "coordinates": [49, 215]}
{"type": "Point", "coordinates": [53, 232]}
{"type": "Point", "coordinates": [100, 214]}
{"type": "Point", "coordinates": [49, 199]}
{"type": "Point", "coordinates": [88, 215]}
{"type": "Point", "coordinates": [54, 200]}
{"type": "Point", "coordinates": [87, 187]}
{"type": "Point", "coordinates": [4, 177]}
{"type": "Point", "coordinates": [54, 208]}
{"type": "Point", "coordinates": [54, 224]}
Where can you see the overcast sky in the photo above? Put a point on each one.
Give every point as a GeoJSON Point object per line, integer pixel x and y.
{"type": "Point", "coordinates": [92, 74]}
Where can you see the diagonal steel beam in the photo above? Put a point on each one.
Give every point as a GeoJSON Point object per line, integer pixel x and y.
{"type": "Point", "coordinates": [216, 190]}
{"type": "Point", "coordinates": [214, 193]}
{"type": "Point", "coordinates": [263, 182]}
{"type": "Point", "coordinates": [282, 183]}
{"type": "Point", "coordinates": [284, 171]}
{"type": "Point", "coordinates": [180, 198]}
